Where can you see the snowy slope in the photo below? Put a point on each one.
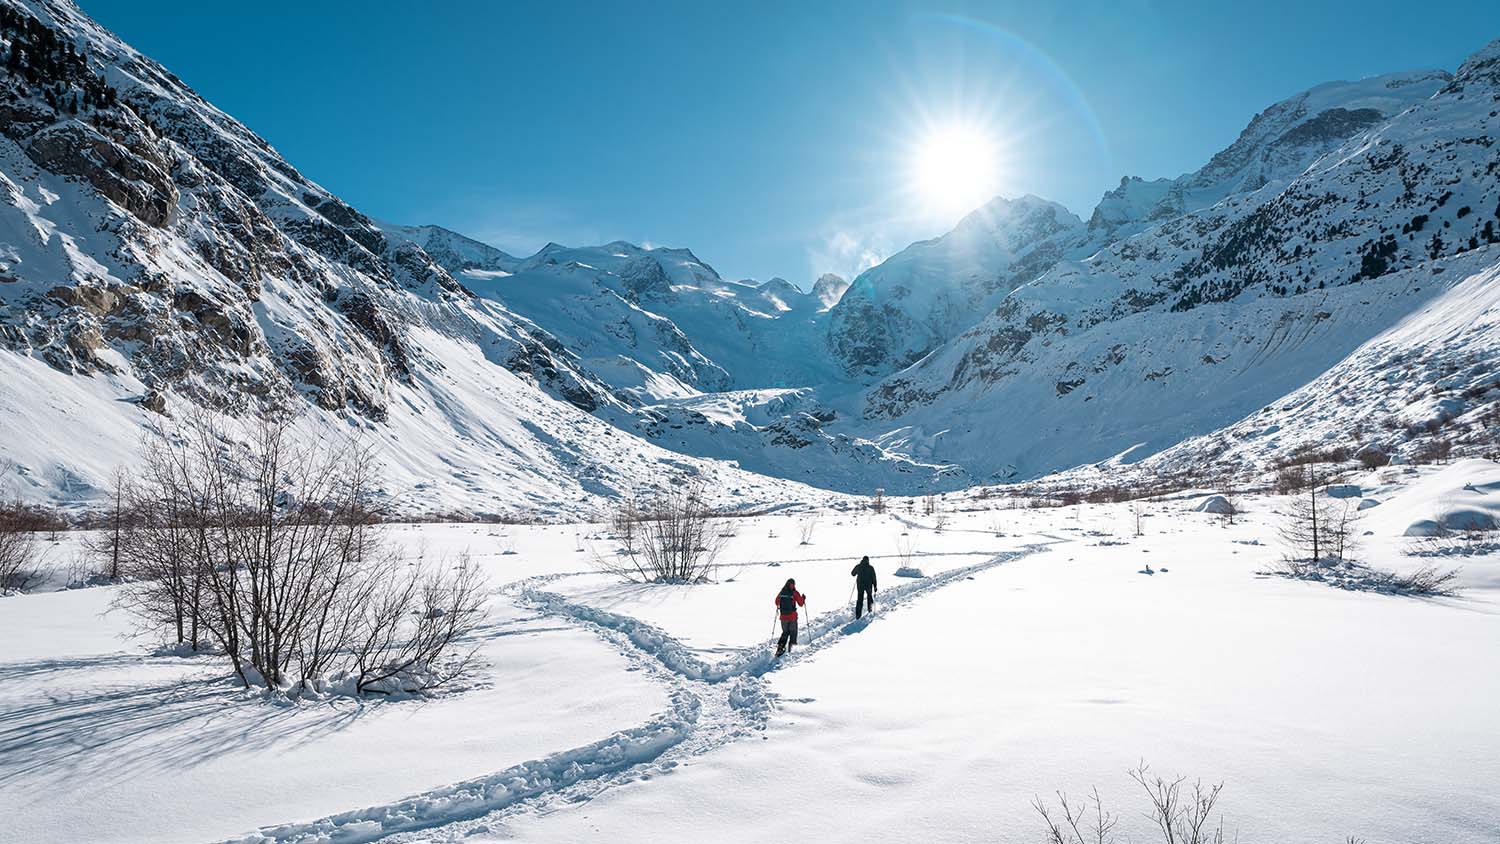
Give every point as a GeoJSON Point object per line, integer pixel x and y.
{"type": "Point", "coordinates": [897, 311]}
{"type": "Point", "coordinates": [1277, 145]}
{"type": "Point", "coordinates": [1195, 322]}
{"type": "Point", "coordinates": [156, 255]}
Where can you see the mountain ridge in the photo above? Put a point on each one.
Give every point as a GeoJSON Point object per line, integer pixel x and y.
{"type": "Point", "coordinates": [160, 256]}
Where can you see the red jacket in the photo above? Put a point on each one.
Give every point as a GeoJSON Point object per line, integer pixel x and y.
{"type": "Point", "coordinates": [801, 602]}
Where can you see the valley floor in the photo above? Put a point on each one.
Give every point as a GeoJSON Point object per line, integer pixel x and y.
{"type": "Point", "coordinates": [1034, 655]}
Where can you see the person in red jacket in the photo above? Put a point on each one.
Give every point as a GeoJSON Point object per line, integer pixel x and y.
{"type": "Point", "coordinates": [787, 602]}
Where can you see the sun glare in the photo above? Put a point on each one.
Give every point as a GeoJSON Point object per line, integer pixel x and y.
{"type": "Point", "coordinates": [954, 169]}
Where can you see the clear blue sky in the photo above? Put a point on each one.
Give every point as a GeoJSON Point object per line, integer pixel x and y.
{"type": "Point", "coordinates": [771, 138]}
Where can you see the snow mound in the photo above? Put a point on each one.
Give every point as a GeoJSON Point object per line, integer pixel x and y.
{"type": "Point", "coordinates": [909, 571]}
{"type": "Point", "coordinates": [1216, 504]}
{"type": "Point", "coordinates": [1463, 496]}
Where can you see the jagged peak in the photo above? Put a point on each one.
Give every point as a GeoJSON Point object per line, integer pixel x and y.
{"type": "Point", "coordinates": [1482, 66]}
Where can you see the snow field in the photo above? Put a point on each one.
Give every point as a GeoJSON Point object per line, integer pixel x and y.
{"type": "Point", "coordinates": [1035, 660]}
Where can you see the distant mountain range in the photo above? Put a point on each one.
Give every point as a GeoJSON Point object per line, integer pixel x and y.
{"type": "Point", "coordinates": [155, 254]}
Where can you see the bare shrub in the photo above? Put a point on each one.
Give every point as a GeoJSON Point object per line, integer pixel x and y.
{"type": "Point", "coordinates": [405, 638]}
{"type": "Point", "coordinates": [905, 550]}
{"type": "Point", "coordinates": [877, 502]}
{"type": "Point", "coordinates": [1427, 581]}
{"type": "Point", "coordinates": [672, 538]}
{"type": "Point", "coordinates": [1182, 818]}
{"type": "Point", "coordinates": [1374, 458]}
{"type": "Point", "coordinates": [1437, 450]}
{"type": "Point", "coordinates": [1182, 814]}
{"type": "Point", "coordinates": [20, 561]}
{"type": "Point", "coordinates": [805, 529]}
{"type": "Point", "coordinates": [269, 550]}
{"type": "Point", "coordinates": [1290, 480]}
{"type": "Point", "coordinates": [1077, 824]}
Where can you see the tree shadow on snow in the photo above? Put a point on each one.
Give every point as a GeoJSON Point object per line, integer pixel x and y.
{"type": "Point", "coordinates": [103, 735]}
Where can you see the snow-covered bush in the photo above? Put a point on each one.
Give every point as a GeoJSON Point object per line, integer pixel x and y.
{"type": "Point", "coordinates": [270, 551]}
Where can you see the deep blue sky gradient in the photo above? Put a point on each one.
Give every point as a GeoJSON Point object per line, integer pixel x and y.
{"type": "Point", "coordinates": [771, 138]}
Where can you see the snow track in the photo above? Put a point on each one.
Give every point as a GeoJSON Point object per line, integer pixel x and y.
{"type": "Point", "coordinates": [704, 716]}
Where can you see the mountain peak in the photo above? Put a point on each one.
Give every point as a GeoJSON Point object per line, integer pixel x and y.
{"type": "Point", "coordinates": [829, 288]}
{"type": "Point", "coordinates": [1482, 66]}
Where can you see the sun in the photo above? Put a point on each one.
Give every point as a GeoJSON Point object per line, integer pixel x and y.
{"type": "Point", "coordinates": [953, 169]}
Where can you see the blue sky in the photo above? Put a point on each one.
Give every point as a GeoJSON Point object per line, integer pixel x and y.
{"type": "Point", "coordinates": [771, 138]}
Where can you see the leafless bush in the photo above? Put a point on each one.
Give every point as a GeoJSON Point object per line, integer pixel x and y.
{"type": "Point", "coordinates": [1433, 451]}
{"type": "Point", "coordinates": [270, 551]}
{"type": "Point", "coordinates": [1077, 824]}
{"type": "Point", "coordinates": [1308, 455]}
{"type": "Point", "coordinates": [20, 561]}
{"type": "Point", "coordinates": [905, 550]}
{"type": "Point", "coordinates": [1374, 458]}
{"type": "Point", "coordinates": [406, 637]}
{"type": "Point", "coordinates": [1471, 542]}
{"type": "Point", "coordinates": [805, 529]}
{"type": "Point", "coordinates": [672, 538]}
{"type": "Point", "coordinates": [1290, 480]}
{"type": "Point", "coordinates": [1182, 814]}
{"type": "Point", "coordinates": [877, 502]}
{"type": "Point", "coordinates": [1427, 581]}
{"type": "Point", "coordinates": [1182, 818]}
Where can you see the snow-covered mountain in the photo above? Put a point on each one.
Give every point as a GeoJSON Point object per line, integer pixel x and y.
{"type": "Point", "coordinates": [898, 311]}
{"type": "Point", "coordinates": [155, 254]}
{"type": "Point", "coordinates": [1202, 319]}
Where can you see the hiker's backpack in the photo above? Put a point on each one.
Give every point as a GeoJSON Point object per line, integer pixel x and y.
{"type": "Point", "coordinates": [787, 601]}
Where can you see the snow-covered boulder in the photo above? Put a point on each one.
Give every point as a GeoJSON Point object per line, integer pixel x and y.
{"type": "Point", "coordinates": [1216, 504]}
{"type": "Point", "coordinates": [1343, 491]}
{"type": "Point", "coordinates": [909, 571]}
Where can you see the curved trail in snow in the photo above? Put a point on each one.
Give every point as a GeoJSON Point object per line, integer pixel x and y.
{"type": "Point", "coordinates": [712, 704]}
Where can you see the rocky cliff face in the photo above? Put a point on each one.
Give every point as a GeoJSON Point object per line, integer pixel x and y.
{"type": "Point", "coordinates": [148, 231]}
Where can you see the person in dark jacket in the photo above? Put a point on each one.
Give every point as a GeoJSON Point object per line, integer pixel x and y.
{"type": "Point", "coordinates": [787, 602]}
{"type": "Point", "coordinates": [864, 581]}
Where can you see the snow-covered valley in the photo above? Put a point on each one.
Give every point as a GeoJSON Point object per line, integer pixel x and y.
{"type": "Point", "coordinates": [1034, 655]}
{"type": "Point", "coordinates": [317, 528]}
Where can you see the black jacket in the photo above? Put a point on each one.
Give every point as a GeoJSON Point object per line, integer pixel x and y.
{"type": "Point", "coordinates": [865, 574]}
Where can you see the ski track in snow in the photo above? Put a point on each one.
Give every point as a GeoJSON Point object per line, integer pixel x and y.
{"type": "Point", "coordinates": [712, 704]}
